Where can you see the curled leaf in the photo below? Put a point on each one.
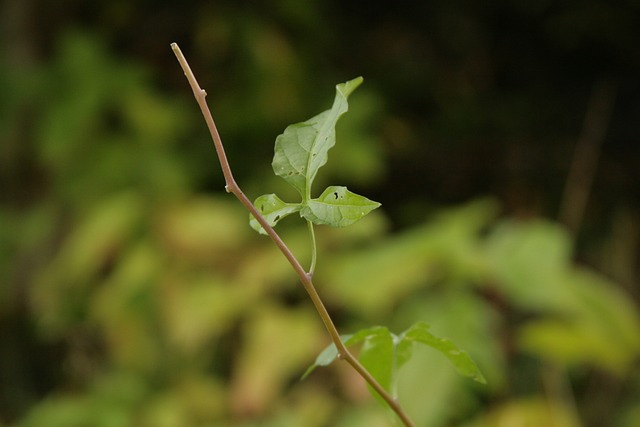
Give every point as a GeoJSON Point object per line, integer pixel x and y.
{"type": "Point", "coordinates": [273, 209]}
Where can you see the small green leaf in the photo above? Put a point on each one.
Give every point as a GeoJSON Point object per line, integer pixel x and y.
{"type": "Point", "coordinates": [337, 207]}
{"type": "Point", "coordinates": [326, 357]}
{"type": "Point", "coordinates": [460, 359]}
{"type": "Point", "coordinates": [302, 149]}
{"type": "Point", "coordinates": [330, 353]}
{"type": "Point", "coordinates": [273, 209]}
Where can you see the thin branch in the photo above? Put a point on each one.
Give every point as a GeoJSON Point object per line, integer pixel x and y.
{"type": "Point", "coordinates": [305, 278]}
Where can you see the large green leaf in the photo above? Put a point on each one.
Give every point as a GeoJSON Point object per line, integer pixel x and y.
{"type": "Point", "coordinates": [302, 149]}
{"type": "Point", "coordinates": [337, 207]}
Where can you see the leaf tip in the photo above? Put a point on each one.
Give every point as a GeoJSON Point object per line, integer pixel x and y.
{"type": "Point", "coordinates": [348, 87]}
{"type": "Point", "coordinates": [480, 379]}
{"type": "Point", "coordinates": [308, 372]}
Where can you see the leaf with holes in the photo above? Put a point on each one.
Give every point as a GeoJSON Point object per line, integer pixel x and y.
{"type": "Point", "coordinates": [302, 149]}
{"type": "Point", "coordinates": [337, 207]}
{"type": "Point", "coordinates": [299, 153]}
{"type": "Point", "coordinates": [273, 209]}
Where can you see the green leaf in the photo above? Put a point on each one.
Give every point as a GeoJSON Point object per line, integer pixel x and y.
{"type": "Point", "coordinates": [330, 353]}
{"type": "Point", "coordinates": [403, 351]}
{"type": "Point", "coordinates": [377, 354]}
{"type": "Point", "coordinates": [273, 209]}
{"type": "Point", "coordinates": [302, 149]}
{"type": "Point", "coordinates": [299, 153]}
{"type": "Point", "coordinates": [378, 357]}
{"type": "Point", "coordinates": [337, 207]}
{"type": "Point", "coordinates": [463, 363]}
{"type": "Point", "coordinates": [326, 357]}
{"type": "Point", "coordinates": [383, 353]}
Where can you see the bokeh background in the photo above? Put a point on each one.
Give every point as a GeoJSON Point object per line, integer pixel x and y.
{"type": "Point", "coordinates": [502, 138]}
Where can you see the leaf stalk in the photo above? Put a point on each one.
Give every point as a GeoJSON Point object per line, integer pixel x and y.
{"type": "Point", "coordinates": [314, 250]}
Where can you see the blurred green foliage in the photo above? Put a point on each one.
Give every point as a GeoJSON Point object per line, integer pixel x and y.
{"type": "Point", "coordinates": [131, 295]}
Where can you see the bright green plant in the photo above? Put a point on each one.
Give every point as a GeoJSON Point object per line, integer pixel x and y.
{"type": "Point", "coordinates": [299, 153]}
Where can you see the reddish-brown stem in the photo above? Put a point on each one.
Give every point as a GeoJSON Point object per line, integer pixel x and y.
{"type": "Point", "coordinates": [232, 187]}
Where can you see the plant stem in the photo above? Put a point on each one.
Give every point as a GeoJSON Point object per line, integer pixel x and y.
{"type": "Point", "coordinates": [305, 278]}
{"type": "Point", "coordinates": [314, 250]}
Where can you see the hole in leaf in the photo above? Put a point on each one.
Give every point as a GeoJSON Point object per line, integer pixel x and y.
{"type": "Point", "coordinates": [277, 218]}
{"type": "Point", "coordinates": [335, 194]}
